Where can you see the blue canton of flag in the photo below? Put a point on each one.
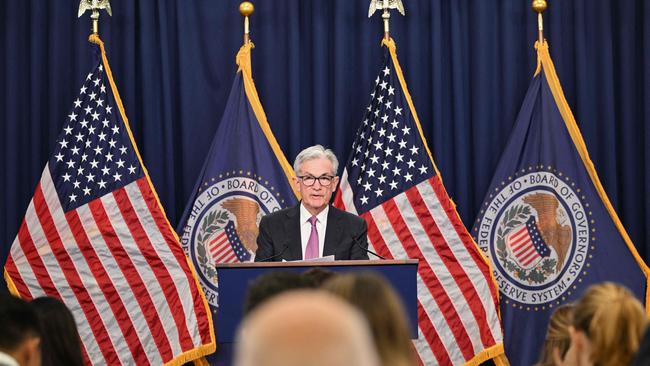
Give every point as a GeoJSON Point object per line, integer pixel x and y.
{"type": "Point", "coordinates": [540, 246]}
{"type": "Point", "coordinates": [388, 155]}
{"type": "Point", "coordinates": [93, 154]}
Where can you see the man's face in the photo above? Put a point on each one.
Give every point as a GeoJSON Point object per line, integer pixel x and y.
{"type": "Point", "coordinates": [317, 196]}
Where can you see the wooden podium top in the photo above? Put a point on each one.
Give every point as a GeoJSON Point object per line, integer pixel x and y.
{"type": "Point", "coordinates": [374, 262]}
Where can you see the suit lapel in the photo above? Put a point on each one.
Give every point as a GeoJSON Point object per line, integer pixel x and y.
{"type": "Point", "coordinates": [292, 228]}
{"type": "Point", "coordinates": [333, 232]}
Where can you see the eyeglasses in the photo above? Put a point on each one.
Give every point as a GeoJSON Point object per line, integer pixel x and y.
{"type": "Point", "coordinates": [324, 180]}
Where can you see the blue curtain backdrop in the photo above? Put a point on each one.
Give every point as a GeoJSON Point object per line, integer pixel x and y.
{"type": "Point", "coordinates": [467, 64]}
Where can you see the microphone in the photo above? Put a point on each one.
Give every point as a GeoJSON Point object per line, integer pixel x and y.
{"type": "Point", "coordinates": [355, 240]}
{"type": "Point", "coordinates": [286, 246]}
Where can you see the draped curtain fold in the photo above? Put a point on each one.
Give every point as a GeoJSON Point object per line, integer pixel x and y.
{"type": "Point", "coordinates": [467, 64]}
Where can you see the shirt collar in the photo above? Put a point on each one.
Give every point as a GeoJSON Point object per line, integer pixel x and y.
{"type": "Point", "coordinates": [305, 215]}
{"type": "Point", "coordinates": [5, 359]}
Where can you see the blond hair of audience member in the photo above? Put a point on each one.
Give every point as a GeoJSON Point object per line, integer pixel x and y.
{"type": "Point", "coordinates": [384, 311]}
{"type": "Point", "coordinates": [305, 328]}
{"type": "Point", "coordinates": [608, 323]}
{"type": "Point", "coordinates": [557, 335]}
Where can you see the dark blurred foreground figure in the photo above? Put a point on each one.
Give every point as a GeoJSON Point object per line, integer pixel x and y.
{"type": "Point", "coordinates": [607, 326]}
{"type": "Point", "coordinates": [318, 275]}
{"type": "Point", "coordinates": [384, 311]}
{"type": "Point", "coordinates": [271, 284]}
{"type": "Point", "coordinates": [60, 343]}
{"type": "Point", "coordinates": [557, 335]}
{"type": "Point", "coordinates": [20, 334]}
{"type": "Point", "coordinates": [305, 328]}
{"type": "Point", "coordinates": [642, 357]}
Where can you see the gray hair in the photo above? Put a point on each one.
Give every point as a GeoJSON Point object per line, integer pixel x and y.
{"type": "Point", "coordinates": [316, 152]}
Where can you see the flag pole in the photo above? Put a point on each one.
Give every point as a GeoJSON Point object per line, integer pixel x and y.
{"type": "Point", "coordinates": [246, 9]}
{"type": "Point", "coordinates": [539, 6]}
{"type": "Point", "coordinates": [386, 17]}
{"type": "Point", "coordinates": [94, 6]}
{"type": "Point", "coordinates": [386, 5]}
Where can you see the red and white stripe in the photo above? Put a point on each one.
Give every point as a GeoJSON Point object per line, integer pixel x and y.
{"type": "Point", "coordinates": [522, 247]}
{"type": "Point", "coordinates": [457, 303]}
{"type": "Point", "coordinates": [221, 250]}
{"type": "Point", "coordinates": [117, 265]}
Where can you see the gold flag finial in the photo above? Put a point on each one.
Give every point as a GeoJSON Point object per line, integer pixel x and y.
{"type": "Point", "coordinates": [539, 6]}
{"type": "Point", "coordinates": [386, 5]}
{"type": "Point", "coordinates": [94, 6]}
{"type": "Point", "coordinates": [246, 9]}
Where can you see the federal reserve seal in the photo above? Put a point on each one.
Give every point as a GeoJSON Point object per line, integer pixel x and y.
{"type": "Point", "coordinates": [535, 229]}
{"type": "Point", "coordinates": [222, 226]}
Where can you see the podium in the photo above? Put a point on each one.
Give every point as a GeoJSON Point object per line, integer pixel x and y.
{"type": "Point", "coordinates": [234, 279]}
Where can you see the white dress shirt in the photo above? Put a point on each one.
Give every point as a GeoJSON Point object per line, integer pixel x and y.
{"type": "Point", "coordinates": [6, 360]}
{"type": "Point", "coordinates": [305, 228]}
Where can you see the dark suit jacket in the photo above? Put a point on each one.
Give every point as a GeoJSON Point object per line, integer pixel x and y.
{"type": "Point", "coordinates": [282, 229]}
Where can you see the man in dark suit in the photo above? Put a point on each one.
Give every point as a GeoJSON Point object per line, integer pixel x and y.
{"type": "Point", "coordinates": [313, 228]}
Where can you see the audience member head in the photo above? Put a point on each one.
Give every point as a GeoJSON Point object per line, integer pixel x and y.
{"type": "Point", "coordinates": [305, 328]}
{"type": "Point", "coordinates": [383, 309]}
{"type": "Point", "coordinates": [608, 323]}
{"type": "Point", "coordinates": [318, 276]}
{"type": "Point", "coordinates": [557, 335]}
{"type": "Point", "coordinates": [20, 334]}
{"type": "Point", "coordinates": [60, 343]}
{"type": "Point", "coordinates": [271, 284]}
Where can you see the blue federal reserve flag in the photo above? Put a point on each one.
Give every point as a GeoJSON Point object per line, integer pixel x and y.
{"type": "Point", "coordinates": [546, 223]}
{"type": "Point", "coordinates": [245, 176]}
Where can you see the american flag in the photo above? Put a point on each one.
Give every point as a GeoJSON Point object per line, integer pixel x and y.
{"type": "Point", "coordinates": [527, 244]}
{"type": "Point", "coordinates": [390, 180]}
{"type": "Point", "coordinates": [95, 236]}
{"type": "Point", "coordinates": [226, 247]}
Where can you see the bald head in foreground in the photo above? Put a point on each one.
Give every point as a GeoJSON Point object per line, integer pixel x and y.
{"type": "Point", "coordinates": [305, 328]}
